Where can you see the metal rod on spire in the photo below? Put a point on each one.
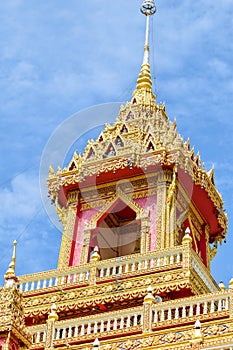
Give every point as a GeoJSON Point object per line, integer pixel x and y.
{"type": "Point", "coordinates": [148, 8]}
{"type": "Point", "coordinates": [143, 93]}
{"type": "Point", "coordinates": [146, 47]}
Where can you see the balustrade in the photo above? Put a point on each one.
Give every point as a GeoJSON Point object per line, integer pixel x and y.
{"type": "Point", "coordinates": [53, 279]}
{"type": "Point", "coordinates": [131, 264]}
{"type": "Point", "coordinates": [199, 307]}
{"type": "Point", "coordinates": [201, 270]}
{"type": "Point", "coordinates": [39, 336]}
{"type": "Point", "coordinates": [106, 269]}
{"type": "Point", "coordinates": [88, 326]}
{"type": "Point", "coordinates": [98, 325]}
{"type": "Point", "coordinates": [189, 307]}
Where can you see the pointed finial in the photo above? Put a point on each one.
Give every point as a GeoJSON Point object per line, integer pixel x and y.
{"type": "Point", "coordinates": [53, 316]}
{"type": "Point", "coordinates": [197, 324]}
{"type": "Point", "coordinates": [222, 286]}
{"type": "Point", "coordinates": [96, 344]}
{"type": "Point", "coordinates": [95, 256]}
{"type": "Point", "coordinates": [210, 174]}
{"type": "Point", "coordinates": [143, 93]}
{"type": "Point", "coordinates": [149, 298]}
{"type": "Point", "coordinates": [51, 170]}
{"type": "Point", "coordinates": [187, 239]}
{"type": "Point", "coordinates": [148, 7]}
{"type": "Point", "coordinates": [197, 333]}
{"type": "Point", "coordinates": [10, 274]}
{"type": "Point", "coordinates": [231, 284]}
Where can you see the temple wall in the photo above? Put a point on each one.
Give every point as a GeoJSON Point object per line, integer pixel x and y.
{"type": "Point", "coordinates": [83, 217]}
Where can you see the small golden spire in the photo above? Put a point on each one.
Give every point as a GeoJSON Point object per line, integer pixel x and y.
{"type": "Point", "coordinates": [53, 316]}
{"type": "Point", "coordinates": [187, 239]}
{"type": "Point", "coordinates": [231, 284]}
{"type": "Point", "coordinates": [143, 93]}
{"type": "Point", "coordinates": [11, 270]}
{"type": "Point", "coordinates": [222, 286]}
{"type": "Point", "coordinates": [197, 336]}
{"type": "Point", "coordinates": [149, 298]}
{"type": "Point", "coordinates": [95, 256]}
{"type": "Point", "coordinates": [51, 170]}
{"type": "Point", "coordinates": [96, 344]}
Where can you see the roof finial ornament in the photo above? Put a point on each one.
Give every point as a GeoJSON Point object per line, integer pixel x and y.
{"type": "Point", "coordinates": [143, 93]}
{"type": "Point", "coordinates": [148, 8]}
{"type": "Point", "coordinates": [10, 274]}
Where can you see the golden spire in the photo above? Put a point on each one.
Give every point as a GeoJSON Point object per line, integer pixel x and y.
{"type": "Point", "coordinates": [53, 316]}
{"type": "Point", "coordinates": [96, 344]}
{"type": "Point", "coordinates": [95, 256]}
{"type": "Point", "coordinates": [143, 93]}
{"type": "Point", "coordinates": [10, 274]}
{"type": "Point", "coordinates": [149, 298]}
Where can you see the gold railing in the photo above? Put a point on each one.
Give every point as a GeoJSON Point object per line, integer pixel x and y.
{"type": "Point", "coordinates": [202, 307]}
{"type": "Point", "coordinates": [122, 267]}
{"type": "Point", "coordinates": [119, 322]}
{"type": "Point", "coordinates": [203, 273]}
{"type": "Point", "coordinates": [97, 272]}
{"type": "Point", "coordinates": [210, 306]}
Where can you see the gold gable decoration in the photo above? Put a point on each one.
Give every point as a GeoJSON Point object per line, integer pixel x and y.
{"type": "Point", "coordinates": [140, 137]}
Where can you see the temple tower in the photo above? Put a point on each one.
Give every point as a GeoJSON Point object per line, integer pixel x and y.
{"type": "Point", "coordinates": [138, 187]}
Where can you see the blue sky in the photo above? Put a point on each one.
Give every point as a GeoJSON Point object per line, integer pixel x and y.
{"type": "Point", "coordinates": [59, 57]}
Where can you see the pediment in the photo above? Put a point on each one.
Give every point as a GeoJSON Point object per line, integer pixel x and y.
{"type": "Point", "coordinates": [119, 197]}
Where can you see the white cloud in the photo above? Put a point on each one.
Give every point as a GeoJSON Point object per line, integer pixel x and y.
{"type": "Point", "coordinates": [21, 199]}
{"type": "Point", "coordinates": [220, 68]}
{"type": "Point", "coordinates": [22, 217]}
